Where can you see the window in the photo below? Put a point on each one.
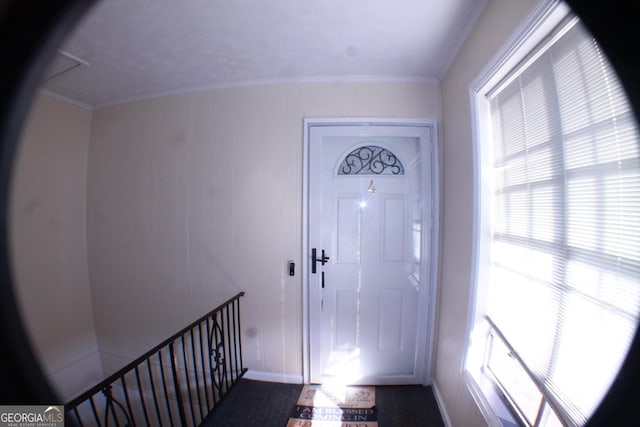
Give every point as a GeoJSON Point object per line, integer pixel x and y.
{"type": "Point", "coordinates": [371, 160]}
{"type": "Point", "coordinates": [558, 256]}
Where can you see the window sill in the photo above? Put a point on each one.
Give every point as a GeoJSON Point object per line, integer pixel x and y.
{"type": "Point", "coordinates": [495, 411]}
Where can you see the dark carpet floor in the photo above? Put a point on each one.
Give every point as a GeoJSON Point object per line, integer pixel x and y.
{"type": "Point", "coordinates": [264, 404]}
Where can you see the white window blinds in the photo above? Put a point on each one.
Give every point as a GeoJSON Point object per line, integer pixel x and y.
{"type": "Point", "coordinates": [565, 250]}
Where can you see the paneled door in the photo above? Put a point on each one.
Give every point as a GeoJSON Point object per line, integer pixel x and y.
{"type": "Point", "coordinates": [367, 218]}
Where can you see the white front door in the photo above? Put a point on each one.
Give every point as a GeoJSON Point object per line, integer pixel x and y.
{"type": "Point", "coordinates": [367, 217]}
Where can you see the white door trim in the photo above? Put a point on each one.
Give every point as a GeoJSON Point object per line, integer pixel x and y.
{"type": "Point", "coordinates": [431, 213]}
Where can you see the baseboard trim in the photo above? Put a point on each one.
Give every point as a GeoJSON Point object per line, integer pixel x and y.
{"type": "Point", "coordinates": [273, 377]}
{"type": "Point", "coordinates": [441, 405]}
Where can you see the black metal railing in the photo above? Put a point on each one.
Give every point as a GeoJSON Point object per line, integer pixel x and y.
{"type": "Point", "coordinates": [178, 382]}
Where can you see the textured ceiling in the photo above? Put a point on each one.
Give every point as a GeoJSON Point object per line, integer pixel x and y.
{"type": "Point", "coordinates": [145, 48]}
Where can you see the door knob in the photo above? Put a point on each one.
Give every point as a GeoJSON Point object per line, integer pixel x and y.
{"type": "Point", "coordinates": [324, 258]}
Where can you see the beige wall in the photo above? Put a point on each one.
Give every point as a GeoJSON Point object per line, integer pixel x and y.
{"type": "Point", "coordinates": [194, 197]}
{"type": "Point", "coordinates": [498, 21]}
{"type": "Point", "coordinates": [48, 242]}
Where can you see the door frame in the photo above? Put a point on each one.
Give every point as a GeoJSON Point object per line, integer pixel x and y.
{"type": "Point", "coordinates": [430, 244]}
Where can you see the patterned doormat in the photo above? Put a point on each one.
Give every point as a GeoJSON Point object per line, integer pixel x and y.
{"type": "Point", "coordinates": [335, 406]}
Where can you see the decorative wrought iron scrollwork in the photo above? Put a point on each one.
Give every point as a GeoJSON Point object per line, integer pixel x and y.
{"type": "Point", "coordinates": [371, 160]}
{"type": "Point", "coordinates": [111, 405]}
{"type": "Point", "coordinates": [216, 352]}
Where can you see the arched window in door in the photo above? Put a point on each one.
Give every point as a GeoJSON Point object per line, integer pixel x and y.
{"type": "Point", "coordinates": [371, 160]}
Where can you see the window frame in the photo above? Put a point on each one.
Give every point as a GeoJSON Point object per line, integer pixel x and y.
{"type": "Point", "coordinates": [540, 389]}
{"type": "Point", "coordinates": [536, 27]}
